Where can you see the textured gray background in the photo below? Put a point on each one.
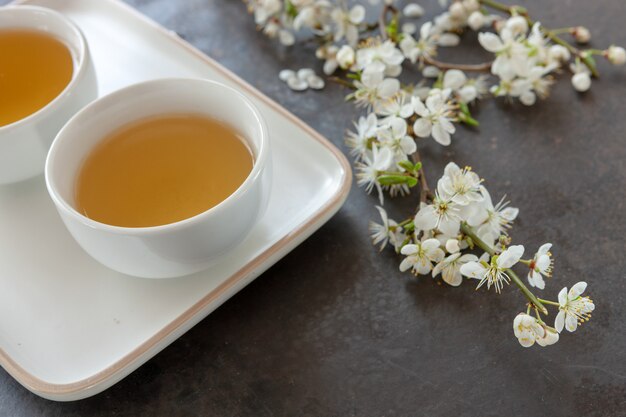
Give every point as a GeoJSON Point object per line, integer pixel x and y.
{"type": "Point", "coordinates": [334, 330]}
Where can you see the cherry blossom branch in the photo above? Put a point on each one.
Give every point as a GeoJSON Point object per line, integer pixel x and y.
{"type": "Point", "coordinates": [552, 35]}
{"type": "Point", "coordinates": [467, 230]}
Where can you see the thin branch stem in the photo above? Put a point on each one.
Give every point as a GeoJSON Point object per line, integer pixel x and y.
{"type": "Point", "coordinates": [425, 192]}
{"type": "Point", "coordinates": [483, 67]}
{"type": "Point", "coordinates": [553, 303]}
{"type": "Point", "coordinates": [465, 228]}
{"type": "Point", "coordinates": [343, 82]}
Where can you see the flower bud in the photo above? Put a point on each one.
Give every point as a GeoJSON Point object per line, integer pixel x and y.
{"type": "Point", "coordinates": [559, 53]}
{"type": "Point", "coordinates": [581, 81]}
{"type": "Point", "coordinates": [345, 57]}
{"type": "Point", "coordinates": [413, 10]}
{"type": "Point", "coordinates": [517, 25]}
{"type": "Point", "coordinates": [581, 34]}
{"type": "Point", "coordinates": [452, 246]}
{"type": "Point", "coordinates": [499, 24]}
{"type": "Point", "coordinates": [476, 20]}
{"type": "Point", "coordinates": [430, 71]}
{"type": "Point", "coordinates": [616, 55]}
{"type": "Point", "coordinates": [457, 11]}
{"type": "Point", "coordinates": [471, 5]}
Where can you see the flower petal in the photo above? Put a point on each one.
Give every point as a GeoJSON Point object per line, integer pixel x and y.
{"type": "Point", "coordinates": [422, 128]}
{"type": "Point", "coordinates": [510, 257]}
{"type": "Point", "coordinates": [563, 297]}
{"type": "Point", "coordinates": [441, 135]}
{"type": "Point", "coordinates": [571, 323]}
{"type": "Point", "coordinates": [473, 270]}
{"type": "Point", "coordinates": [559, 322]}
{"type": "Point", "coordinates": [406, 264]}
{"type": "Point", "coordinates": [490, 41]}
{"type": "Point", "coordinates": [452, 276]}
{"type": "Point", "coordinates": [409, 249]}
{"type": "Point", "coordinates": [576, 290]}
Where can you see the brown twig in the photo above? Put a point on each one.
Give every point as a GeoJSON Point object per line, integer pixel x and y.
{"type": "Point", "coordinates": [483, 67]}
{"type": "Point", "coordinates": [382, 20]}
{"type": "Point", "coordinates": [425, 193]}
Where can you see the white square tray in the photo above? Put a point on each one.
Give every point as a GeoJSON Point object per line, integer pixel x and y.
{"type": "Point", "coordinates": [69, 327]}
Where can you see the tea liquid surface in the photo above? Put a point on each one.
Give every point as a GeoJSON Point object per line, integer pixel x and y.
{"type": "Point", "coordinates": [34, 69]}
{"type": "Point", "coordinates": [162, 170]}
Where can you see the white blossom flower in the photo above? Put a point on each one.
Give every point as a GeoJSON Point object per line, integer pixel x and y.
{"type": "Point", "coordinates": [511, 55]}
{"type": "Point", "coordinates": [434, 117]}
{"type": "Point", "coordinates": [442, 214]}
{"type": "Point", "coordinates": [329, 54]}
{"type": "Point", "coordinates": [528, 331]}
{"type": "Point", "coordinates": [373, 88]}
{"type": "Point", "coordinates": [558, 53]}
{"type": "Point", "coordinates": [466, 90]}
{"type": "Point", "coordinates": [394, 108]}
{"type": "Point", "coordinates": [312, 14]}
{"type": "Point", "coordinates": [540, 266]}
{"type": "Point", "coordinates": [346, 57]}
{"type": "Point", "coordinates": [369, 168]}
{"type": "Point", "coordinates": [394, 136]}
{"type": "Point", "coordinates": [415, 50]}
{"type": "Point", "coordinates": [413, 10]}
{"type": "Point", "coordinates": [387, 232]}
{"type": "Point", "coordinates": [384, 53]}
{"type": "Point", "coordinates": [450, 268]}
{"type": "Point", "coordinates": [537, 84]}
{"type": "Point", "coordinates": [460, 185]}
{"type": "Point", "coordinates": [616, 55]}
{"type": "Point", "coordinates": [264, 9]}
{"type": "Point", "coordinates": [517, 25]}
{"type": "Point", "coordinates": [494, 273]}
{"type": "Point", "coordinates": [492, 221]}
{"type": "Point", "coordinates": [573, 309]}
{"type": "Point", "coordinates": [420, 256]}
{"type": "Point", "coordinates": [347, 23]}
{"type": "Point", "coordinates": [358, 141]}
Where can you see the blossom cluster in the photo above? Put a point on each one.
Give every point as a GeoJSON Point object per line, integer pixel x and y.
{"type": "Point", "coordinates": [444, 236]}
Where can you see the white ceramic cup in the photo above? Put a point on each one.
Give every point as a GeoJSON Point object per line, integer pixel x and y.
{"type": "Point", "coordinates": [24, 144]}
{"type": "Point", "coordinates": [174, 249]}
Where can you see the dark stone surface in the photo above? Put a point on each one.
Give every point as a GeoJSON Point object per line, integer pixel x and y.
{"type": "Point", "coordinates": [335, 330]}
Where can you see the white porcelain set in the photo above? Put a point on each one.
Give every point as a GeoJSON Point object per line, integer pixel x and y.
{"type": "Point", "coordinates": [29, 145]}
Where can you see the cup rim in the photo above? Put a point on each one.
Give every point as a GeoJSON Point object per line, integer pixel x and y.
{"type": "Point", "coordinates": [105, 101]}
{"type": "Point", "coordinates": [79, 67]}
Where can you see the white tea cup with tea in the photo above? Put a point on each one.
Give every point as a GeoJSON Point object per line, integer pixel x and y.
{"type": "Point", "coordinates": [161, 178]}
{"type": "Point", "coordinates": [46, 75]}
